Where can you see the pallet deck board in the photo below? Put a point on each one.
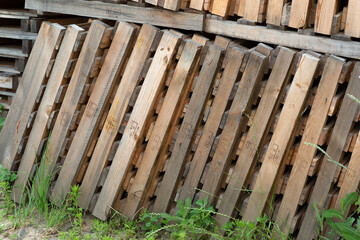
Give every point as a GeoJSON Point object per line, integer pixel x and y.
{"type": "Point", "coordinates": [273, 159]}
{"type": "Point", "coordinates": [134, 131]}
{"type": "Point", "coordinates": [109, 74]}
{"type": "Point", "coordinates": [188, 129]}
{"type": "Point", "coordinates": [343, 124]}
{"type": "Point", "coordinates": [306, 153]}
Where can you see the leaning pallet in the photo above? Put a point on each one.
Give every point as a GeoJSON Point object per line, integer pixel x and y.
{"type": "Point", "coordinates": [24, 101]}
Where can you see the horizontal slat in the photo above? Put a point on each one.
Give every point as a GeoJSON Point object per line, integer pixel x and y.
{"type": "Point", "coordinates": [12, 51]}
{"type": "Point", "coordinates": [16, 33]}
{"type": "Point", "coordinates": [16, 14]}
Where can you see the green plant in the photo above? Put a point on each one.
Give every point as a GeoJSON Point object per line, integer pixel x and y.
{"type": "Point", "coordinates": [189, 222]}
{"type": "Point", "coordinates": [339, 225]}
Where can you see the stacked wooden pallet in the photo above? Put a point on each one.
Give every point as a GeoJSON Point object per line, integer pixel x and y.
{"type": "Point", "coordinates": [142, 118]}
{"type": "Point", "coordinates": [17, 31]}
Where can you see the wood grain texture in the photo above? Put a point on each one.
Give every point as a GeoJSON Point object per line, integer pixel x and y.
{"type": "Point", "coordinates": [220, 7]}
{"type": "Point", "coordinates": [172, 4]}
{"type": "Point", "coordinates": [203, 149]}
{"type": "Point", "coordinates": [188, 128]}
{"type": "Point", "coordinates": [343, 124]}
{"type": "Point", "coordinates": [121, 12]}
{"type": "Point", "coordinates": [274, 11]}
{"type": "Point", "coordinates": [114, 61]}
{"type": "Point", "coordinates": [24, 101]}
{"type": "Point", "coordinates": [197, 4]}
{"type": "Point", "coordinates": [299, 13]}
{"type": "Point", "coordinates": [251, 12]}
{"type": "Point", "coordinates": [258, 131]}
{"type": "Point", "coordinates": [236, 119]}
{"type": "Point", "coordinates": [39, 128]}
{"type": "Point", "coordinates": [74, 90]}
{"type": "Point", "coordinates": [283, 132]}
{"type": "Point", "coordinates": [134, 130]}
{"type": "Point", "coordinates": [306, 153]}
{"type": "Point", "coordinates": [352, 19]}
{"type": "Point", "coordinates": [349, 49]}
{"type": "Point", "coordinates": [130, 78]}
{"type": "Point", "coordinates": [325, 11]}
{"type": "Point", "coordinates": [174, 98]}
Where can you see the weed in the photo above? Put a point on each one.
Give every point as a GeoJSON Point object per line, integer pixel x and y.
{"type": "Point", "coordinates": [2, 120]}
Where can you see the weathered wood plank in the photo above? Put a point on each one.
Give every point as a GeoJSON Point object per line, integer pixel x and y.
{"type": "Point", "coordinates": [305, 155]}
{"type": "Point", "coordinates": [175, 97]}
{"type": "Point", "coordinates": [252, 10]}
{"type": "Point", "coordinates": [203, 149]}
{"type": "Point", "coordinates": [134, 130]}
{"type": "Point", "coordinates": [352, 19]}
{"type": "Point", "coordinates": [115, 59]}
{"type": "Point", "coordinates": [349, 49]}
{"type": "Point", "coordinates": [325, 12]}
{"type": "Point", "coordinates": [256, 138]}
{"type": "Point", "coordinates": [220, 7]}
{"type": "Point", "coordinates": [172, 4]}
{"type": "Point", "coordinates": [121, 12]}
{"type": "Point", "coordinates": [274, 12]}
{"type": "Point", "coordinates": [24, 100]}
{"type": "Point", "coordinates": [299, 13]}
{"type": "Point", "coordinates": [188, 128]}
{"type": "Point", "coordinates": [229, 138]}
{"type": "Point", "coordinates": [74, 90]}
{"type": "Point", "coordinates": [343, 124]}
{"type": "Point", "coordinates": [117, 111]}
{"type": "Point", "coordinates": [39, 128]}
{"type": "Point", "coordinates": [197, 4]}
{"type": "Point", "coordinates": [272, 162]}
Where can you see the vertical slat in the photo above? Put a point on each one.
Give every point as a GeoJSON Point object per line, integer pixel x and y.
{"type": "Point", "coordinates": [252, 8]}
{"type": "Point", "coordinates": [325, 11]}
{"type": "Point", "coordinates": [306, 153]}
{"type": "Point", "coordinates": [188, 128]}
{"type": "Point", "coordinates": [282, 136]}
{"type": "Point", "coordinates": [258, 131]}
{"type": "Point", "coordinates": [134, 130]}
{"type": "Point", "coordinates": [274, 11]}
{"type": "Point", "coordinates": [47, 105]}
{"type": "Point", "coordinates": [220, 7]}
{"type": "Point", "coordinates": [352, 19]}
{"type": "Point", "coordinates": [299, 13]}
{"type": "Point", "coordinates": [114, 61]}
{"type": "Point", "coordinates": [236, 119]}
{"type": "Point", "coordinates": [172, 4]}
{"type": "Point", "coordinates": [175, 96]}
{"type": "Point", "coordinates": [197, 4]}
{"type": "Point", "coordinates": [24, 100]}
{"type": "Point", "coordinates": [343, 124]}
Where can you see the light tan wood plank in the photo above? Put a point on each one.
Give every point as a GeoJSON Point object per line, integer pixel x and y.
{"type": "Point", "coordinates": [118, 53]}
{"type": "Point", "coordinates": [274, 11]}
{"type": "Point", "coordinates": [188, 128]}
{"type": "Point", "coordinates": [24, 101]}
{"type": "Point", "coordinates": [352, 19]}
{"type": "Point", "coordinates": [133, 134]}
{"type": "Point", "coordinates": [130, 78]}
{"type": "Point", "coordinates": [47, 105]}
{"type": "Point", "coordinates": [252, 10]}
{"type": "Point", "coordinates": [299, 13]}
{"type": "Point", "coordinates": [258, 131]}
{"type": "Point", "coordinates": [198, 163]}
{"type": "Point", "coordinates": [172, 4]}
{"type": "Point", "coordinates": [325, 11]}
{"type": "Point", "coordinates": [175, 97]}
{"type": "Point", "coordinates": [220, 7]}
{"type": "Point", "coordinates": [305, 155]}
{"type": "Point", "coordinates": [272, 162]}
{"type": "Point", "coordinates": [235, 121]}
{"type": "Point", "coordinates": [343, 124]}
{"type": "Point", "coordinates": [197, 4]}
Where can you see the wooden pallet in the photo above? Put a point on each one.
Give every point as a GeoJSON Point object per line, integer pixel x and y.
{"type": "Point", "coordinates": [150, 117]}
